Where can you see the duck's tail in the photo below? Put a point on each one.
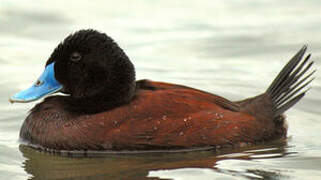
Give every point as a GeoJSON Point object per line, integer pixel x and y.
{"type": "Point", "coordinates": [288, 87]}
{"type": "Point", "coordinates": [285, 90]}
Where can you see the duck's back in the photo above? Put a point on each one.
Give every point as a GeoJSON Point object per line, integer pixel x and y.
{"type": "Point", "coordinates": [160, 116]}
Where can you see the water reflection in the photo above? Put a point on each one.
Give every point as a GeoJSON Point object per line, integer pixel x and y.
{"type": "Point", "coordinates": [43, 165]}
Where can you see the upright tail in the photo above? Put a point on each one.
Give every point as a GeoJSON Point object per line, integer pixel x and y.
{"type": "Point", "coordinates": [288, 87]}
{"type": "Point", "coordinates": [285, 91]}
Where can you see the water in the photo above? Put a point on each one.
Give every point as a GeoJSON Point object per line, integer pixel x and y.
{"type": "Point", "coordinates": [231, 48]}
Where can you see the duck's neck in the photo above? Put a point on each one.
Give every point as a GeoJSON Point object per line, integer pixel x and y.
{"type": "Point", "coordinates": [117, 90]}
{"type": "Point", "coordinates": [96, 104]}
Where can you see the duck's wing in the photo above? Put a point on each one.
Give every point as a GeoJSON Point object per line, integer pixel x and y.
{"type": "Point", "coordinates": [227, 104]}
{"type": "Point", "coordinates": [153, 85]}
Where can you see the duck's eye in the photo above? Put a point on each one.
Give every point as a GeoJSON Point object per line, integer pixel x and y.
{"type": "Point", "coordinates": [75, 57]}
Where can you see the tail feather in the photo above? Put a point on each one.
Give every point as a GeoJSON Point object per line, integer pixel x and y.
{"type": "Point", "coordinates": [294, 77]}
{"type": "Point", "coordinates": [286, 89]}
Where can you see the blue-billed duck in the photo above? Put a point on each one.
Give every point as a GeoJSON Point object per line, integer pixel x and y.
{"type": "Point", "coordinates": [105, 108]}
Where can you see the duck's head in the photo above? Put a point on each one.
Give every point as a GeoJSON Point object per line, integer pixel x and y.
{"type": "Point", "coordinates": [88, 66]}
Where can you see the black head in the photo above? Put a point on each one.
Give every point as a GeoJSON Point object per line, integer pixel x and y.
{"type": "Point", "coordinates": [94, 70]}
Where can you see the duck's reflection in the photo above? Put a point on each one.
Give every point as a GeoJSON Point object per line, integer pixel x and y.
{"type": "Point", "coordinates": [43, 165]}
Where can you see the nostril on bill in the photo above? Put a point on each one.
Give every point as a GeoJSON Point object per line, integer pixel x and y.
{"type": "Point", "coordinates": [38, 83]}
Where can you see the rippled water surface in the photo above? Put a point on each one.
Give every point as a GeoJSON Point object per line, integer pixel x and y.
{"type": "Point", "coordinates": [232, 48]}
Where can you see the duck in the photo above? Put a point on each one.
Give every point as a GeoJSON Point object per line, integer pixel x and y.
{"type": "Point", "coordinates": [102, 107]}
